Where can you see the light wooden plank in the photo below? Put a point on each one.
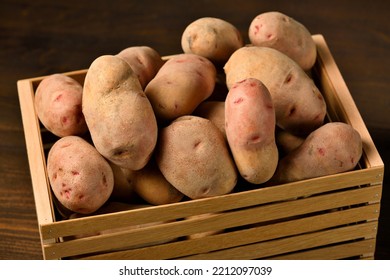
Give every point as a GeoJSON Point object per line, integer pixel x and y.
{"type": "Point", "coordinates": [216, 222]}
{"type": "Point", "coordinates": [78, 75]}
{"type": "Point", "coordinates": [343, 251]}
{"type": "Point", "coordinates": [247, 236]}
{"type": "Point", "coordinates": [295, 243]}
{"type": "Point", "coordinates": [35, 156]}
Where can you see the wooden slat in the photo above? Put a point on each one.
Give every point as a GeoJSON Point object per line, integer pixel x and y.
{"type": "Point", "coordinates": [216, 222]}
{"type": "Point", "coordinates": [342, 251]}
{"type": "Point", "coordinates": [246, 236]}
{"type": "Point", "coordinates": [208, 205]}
{"type": "Point", "coordinates": [35, 155]}
{"type": "Point", "coordinates": [78, 75]}
{"type": "Point", "coordinates": [295, 243]}
{"type": "Point", "coordinates": [36, 158]}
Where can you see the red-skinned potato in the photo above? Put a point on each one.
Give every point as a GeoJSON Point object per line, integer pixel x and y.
{"type": "Point", "coordinates": [144, 60]}
{"type": "Point", "coordinates": [250, 130]}
{"type": "Point", "coordinates": [213, 38]}
{"type": "Point", "coordinates": [58, 104]}
{"type": "Point", "coordinates": [283, 33]}
{"type": "Point", "coordinates": [81, 179]}
{"type": "Point", "coordinates": [299, 105]}
{"type": "Point", "coordinates": [333, 148]}
{"type": "Point", "coordinates": [182, 83]}
{"type": "Point", "coordinates": [193, 156]}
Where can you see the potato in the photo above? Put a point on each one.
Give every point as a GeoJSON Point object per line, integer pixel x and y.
{"type": "Point", "coordinates": [213, 111]}
{"type": "Point", "coordinates": [123, 184]}
{"type": "Point", "coordinates": [152, 186]}
{"type": "Point", "coordinates": [193, 156]}
{"type": "Point", "coordinates": [119, 116]}
{"type": "Point", "coordinates": [181, 85]}
{"type": "Point", "coordinates": [250, 130]}
{"type": "Point", "coordinates": [299, 105]}
{"type": "Point", "coordinates": [213, 38]}
{"type": "Point", "coordinates": [58, 105]}
{"type": "Point", "coordinates": [279, 31]}
{"type": "Point", "coordinates": [287, 141]}
{"type": "Point", "coordinates": [81, 179]}
{"type": "Point", "coordinates": [145, 62]}
{"type": "Point", "coordinates": [333, 148]}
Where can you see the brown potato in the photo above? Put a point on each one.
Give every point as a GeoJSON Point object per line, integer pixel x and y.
{"type": "Point", "coordinates": [58, 105]}
{"type": "Point", "coordinates": [250, 130]}
{"type": "Point", "coordinates": [299, 105]}
{"type": "Point", "coordinates": [118, 114]}
{"type": "Point", "coordinates": [123, 184]}
{"type": "Point", "coordinates": [333, 148]}
{"type": "Point", "coordinates": [193, 156]}
{"type": "Point", "coordinates": [152, 186]}
{"type": "Point", "coordinates": [81, 179]}
{"type": "Point", "coordinates": [181, 85]}
{"type": "Point", "coordinates": [283, 33]}
{"type": "Point", "coordinates": [213, 38]}
{"type": "Point", "coordinates": [145, 62]}
{"type": "Point", "coordinates": [287, 142]}
{"type": "Point", "coordinates": [213, 111]}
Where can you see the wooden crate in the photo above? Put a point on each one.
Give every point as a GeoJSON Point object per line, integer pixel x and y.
{"type": "Point", "coordinates": [331, 217]}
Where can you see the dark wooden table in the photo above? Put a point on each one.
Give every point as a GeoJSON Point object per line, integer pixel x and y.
{"type": "Point", "coordinates": [44, 37]}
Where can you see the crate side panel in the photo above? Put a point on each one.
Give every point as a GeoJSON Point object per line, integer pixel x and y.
{"type": "Point", "coordinates": [210, 205]}
{"type": "Point", "coordinates": [259, 214]}
{"type": "Point", "coordinates": [35, 154]}
{"type": "Point", "coordinates": [248, 235]}
{"type": "Point", "coordinates": [295, 243]}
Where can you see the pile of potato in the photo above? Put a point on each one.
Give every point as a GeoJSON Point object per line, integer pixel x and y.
{"type": "Point", "coordinates": [143, 127]}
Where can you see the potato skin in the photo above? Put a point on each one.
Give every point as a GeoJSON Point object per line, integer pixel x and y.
{"type": "Point", "coordinates": [144, 60]}
{"type": "Point", "coordinates": [193, 156]}
{"type": "Point", "coordinates": [81, 179]}
{"type": "Point", "coordinates": [250, 130]}
{"type": "Point", "coordinates": [286, 141]}
{"type": "Point", "coordinates": [123, 184]}
{"type": "Point", "coordinates": [151, 185]}
{"type": "Point", "coordinates": [213, 38]}
{"type": "Point", "coordinates": [118, 114]}
{"type": "Point", "coordinates": [299, 105]}
{"type": "Point", "coordinates": [213, 111]}
{"type": "Point", "coordinates": [58, 105]}
{"type": "Point", "coordinates": [279, 31]}
{"type": "Point", "coordinates": [182, 83]}
{"type": "Point", "coordinates": [333, 148]}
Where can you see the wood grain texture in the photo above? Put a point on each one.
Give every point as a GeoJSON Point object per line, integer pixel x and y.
{"type": "Point", "coordinates": [40, 38]}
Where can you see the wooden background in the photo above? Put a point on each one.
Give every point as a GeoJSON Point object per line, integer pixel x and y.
{"type": "Point", "coordinates": [44, 37]}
